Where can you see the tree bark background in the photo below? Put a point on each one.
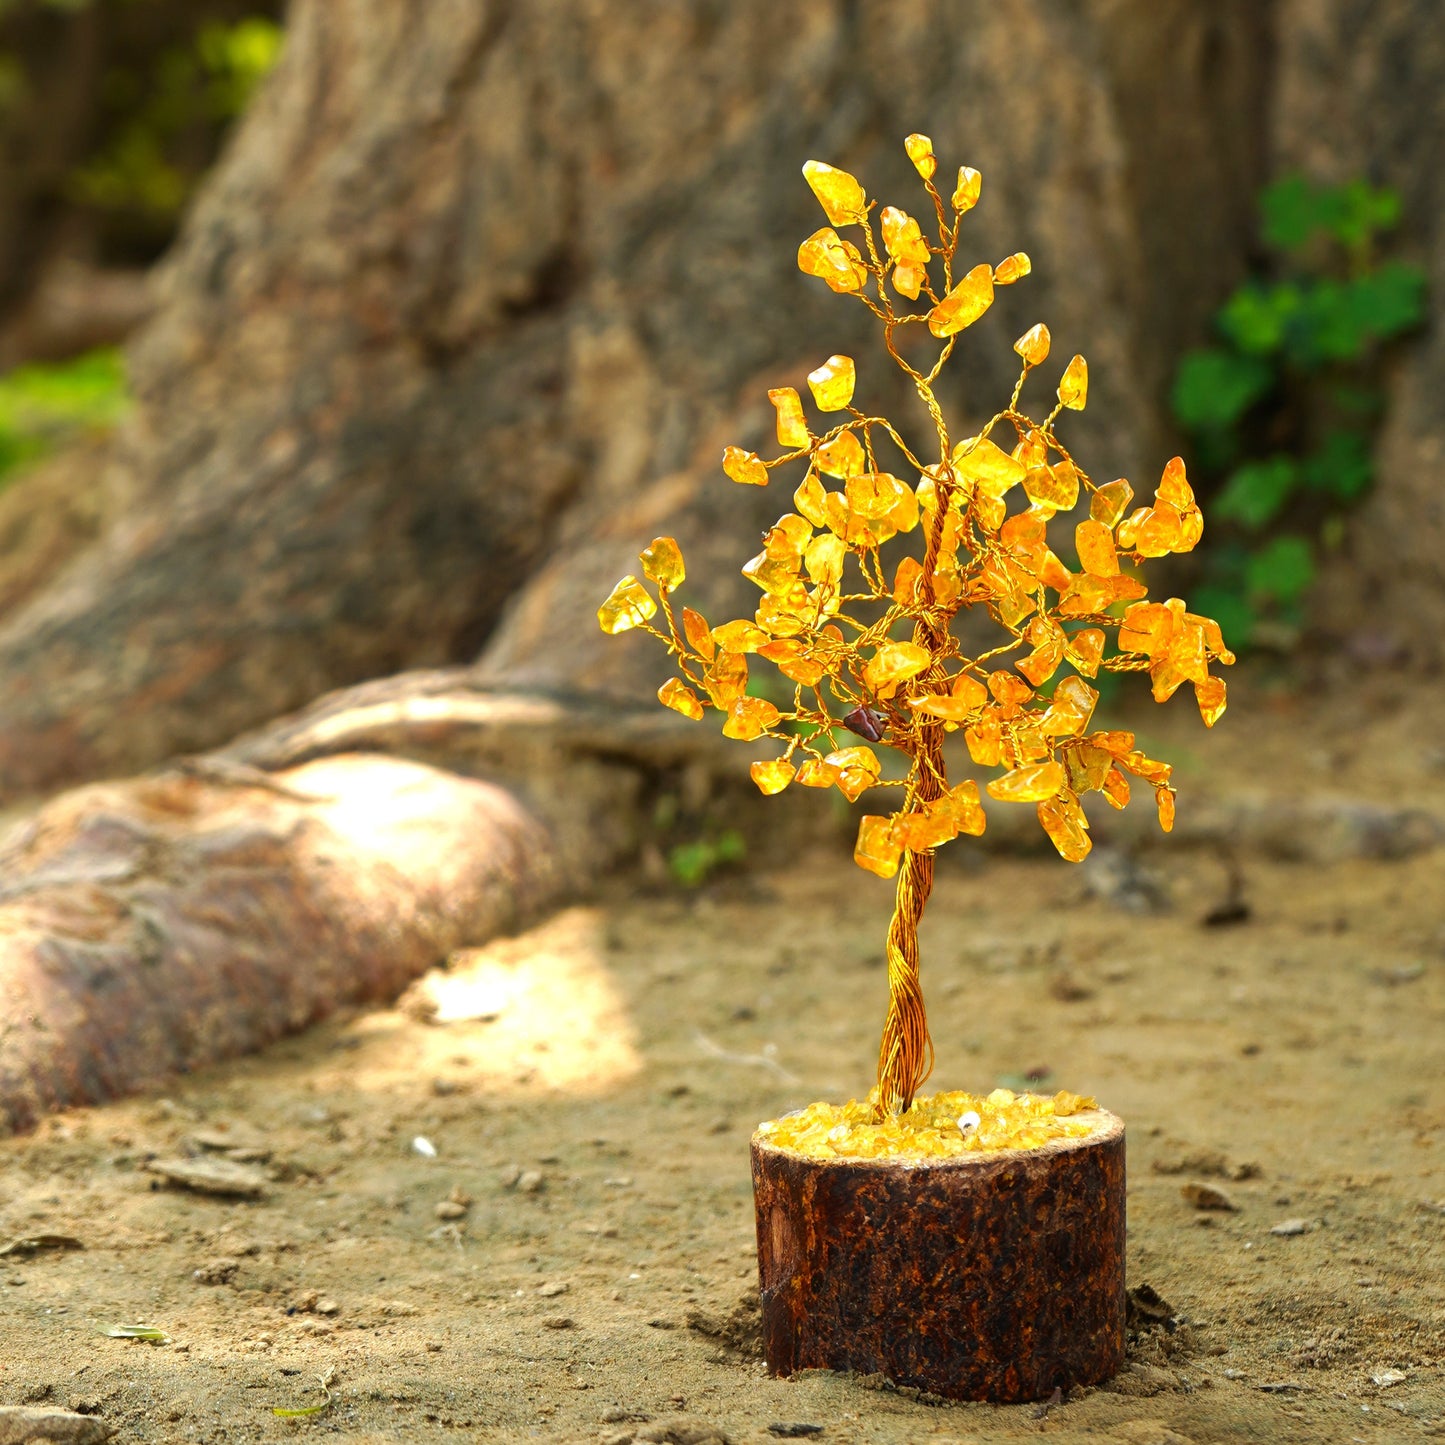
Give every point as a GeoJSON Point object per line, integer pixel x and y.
{"type": "Point", "coordinates": [480, 291]}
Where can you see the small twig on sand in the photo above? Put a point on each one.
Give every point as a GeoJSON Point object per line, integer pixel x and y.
{"type": "Point", "coordinates": [766, 1060]}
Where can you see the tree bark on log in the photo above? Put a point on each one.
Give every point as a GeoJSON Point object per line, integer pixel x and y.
{"type": "Point", "coordinates": [151, 927]}
{"type": "Point", "coordinates": [991, 1276]}
{"type": "Point", "coordinates": [465, 317]}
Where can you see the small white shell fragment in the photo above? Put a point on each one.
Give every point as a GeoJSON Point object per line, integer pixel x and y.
{"type": "Point", "coordinates": [424, 1146]}
{"type": "Point", "coordinates": [968, 1122]}
{"type": "Point", "coordinates": [1291, 1226]}
{"type": "Point", "coordinates": [1385, 1378]}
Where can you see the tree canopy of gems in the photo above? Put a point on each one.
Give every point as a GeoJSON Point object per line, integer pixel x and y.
{"type": "Point", "coordinates": [867, 645]}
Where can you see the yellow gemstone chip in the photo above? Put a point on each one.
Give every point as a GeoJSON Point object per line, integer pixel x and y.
{"type": "Point", "coordinates": [628, 605]}
{"type": "Point", "coordinates": [937, 1126]}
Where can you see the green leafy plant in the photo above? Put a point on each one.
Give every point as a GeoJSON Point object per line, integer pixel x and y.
{"type": "Point", "coordinates": [43, 405]}
{"type": "Point", "coordinates": [692, 864]}
{"type": "Point", "coordinates": [167, 121]}
{"type": "Point", "coordinates": [1282, 409]}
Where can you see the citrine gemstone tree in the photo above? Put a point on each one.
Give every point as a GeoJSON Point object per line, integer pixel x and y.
{"type": "Point", "coordinates": [867, 644]}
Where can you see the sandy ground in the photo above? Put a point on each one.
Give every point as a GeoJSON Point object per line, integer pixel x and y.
{"type": "Point", "coordinates": [528, 1215]}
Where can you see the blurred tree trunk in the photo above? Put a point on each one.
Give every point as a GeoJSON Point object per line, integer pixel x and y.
{"type": "Point", "coordinates": [481, 289]}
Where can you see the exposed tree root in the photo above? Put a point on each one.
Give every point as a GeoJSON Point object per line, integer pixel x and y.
{"type": "Point", "coordinates": [202, 911]}
{"type": "Point", "coordinates": [163, 923]}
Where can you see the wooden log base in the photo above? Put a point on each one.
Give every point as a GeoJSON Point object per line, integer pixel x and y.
{"type": "Point", "coordinates": [994, 1276]}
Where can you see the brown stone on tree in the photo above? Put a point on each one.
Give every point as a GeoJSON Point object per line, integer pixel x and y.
{"type": "Point", "coordinates": [994, 1276]}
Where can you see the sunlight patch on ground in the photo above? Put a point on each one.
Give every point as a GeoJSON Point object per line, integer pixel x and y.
{"type": "Point", "coordinates": [537, 1010]}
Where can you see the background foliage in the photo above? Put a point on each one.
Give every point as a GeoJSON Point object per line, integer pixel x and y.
{"type": "Point", "coordinates": [112, 110]}
{"type": "Point", "coordinates": [167, 120]}
{"type": "Point", "coordinates": [103, 176]}
{"type": "Point", "coordinates": [41, 406]}
{"type": "Point", "coordinates": [1281, 410]}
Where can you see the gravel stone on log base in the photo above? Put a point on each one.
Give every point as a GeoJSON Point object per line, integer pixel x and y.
{"type": "Point", "coordinates": [994, 1276]}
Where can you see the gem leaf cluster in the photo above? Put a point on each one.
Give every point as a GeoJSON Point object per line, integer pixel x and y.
{"type": "Point", "coordinates": [865, 642]}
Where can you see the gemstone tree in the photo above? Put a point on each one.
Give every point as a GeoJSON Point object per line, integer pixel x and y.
{"type": "Point", "coordinates": [832, 614]}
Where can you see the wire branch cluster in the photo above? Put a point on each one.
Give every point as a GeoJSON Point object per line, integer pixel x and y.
{"type": "Point", "coordinates": [868, 647]}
